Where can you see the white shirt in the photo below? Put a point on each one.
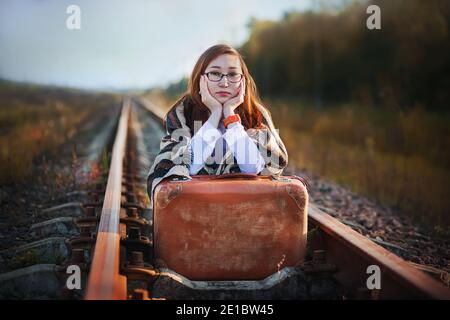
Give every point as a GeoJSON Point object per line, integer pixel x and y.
{"type": "Point", "coordinates": [208, 141]}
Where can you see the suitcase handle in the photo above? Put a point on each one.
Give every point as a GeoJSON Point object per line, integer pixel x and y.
{"type": "Point", "coordinates": [250, 176]}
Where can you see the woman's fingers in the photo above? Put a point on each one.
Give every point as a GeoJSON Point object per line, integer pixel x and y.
{"type": "Point", "coordinates": [204, 88]}
{"type": "Point", "coordinates": [204, 92]}
{"type": "Point", "coordinates": [210, 102]}
{"type": "Point", "coordinates": [235, 102]}
{"type": "Point", "coordinates": [242, 95]}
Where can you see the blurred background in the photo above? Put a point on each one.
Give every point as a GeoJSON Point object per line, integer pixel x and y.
{"type": "Point", "coordinates": [368, 109]}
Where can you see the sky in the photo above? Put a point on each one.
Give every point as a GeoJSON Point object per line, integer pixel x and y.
{"type": "Point", "coordinates": [122, 44]}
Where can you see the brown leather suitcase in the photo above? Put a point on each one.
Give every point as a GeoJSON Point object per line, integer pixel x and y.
{"type": "Point", "coordinates": [233, 226]}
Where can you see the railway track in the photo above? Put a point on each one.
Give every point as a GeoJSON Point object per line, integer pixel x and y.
{"type": "Point", "coordinates": [114, 249]}
{"type": "Point", "coordinates": [109, 239]}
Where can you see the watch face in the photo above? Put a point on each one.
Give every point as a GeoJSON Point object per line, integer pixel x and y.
{"type": "Point", "coordinates": [232, 119]}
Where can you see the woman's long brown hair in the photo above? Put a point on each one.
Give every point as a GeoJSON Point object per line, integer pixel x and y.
{"type": "Point", "coordinates": [195, 110]}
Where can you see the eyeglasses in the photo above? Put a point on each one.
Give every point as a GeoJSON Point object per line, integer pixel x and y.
{"type": "Point", "coordinates": [232, 77]}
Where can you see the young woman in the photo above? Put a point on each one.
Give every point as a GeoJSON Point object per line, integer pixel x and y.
{"type": "Point", "coordinates": [219, 125]}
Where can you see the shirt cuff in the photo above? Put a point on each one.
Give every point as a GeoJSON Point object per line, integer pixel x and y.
{"type": "Point", "coordinates": [202, 146]}
{"type": "Point", "coordinates": [245, 150]}
{"type": "Point", "coordinates": [234, 133]}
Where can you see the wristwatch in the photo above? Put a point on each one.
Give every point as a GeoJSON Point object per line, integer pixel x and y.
{"type": "Point", "coordinates": [231, 119]}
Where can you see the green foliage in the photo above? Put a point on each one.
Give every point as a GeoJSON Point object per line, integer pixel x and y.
{"type": "Point", "coordinates": [332, 57]}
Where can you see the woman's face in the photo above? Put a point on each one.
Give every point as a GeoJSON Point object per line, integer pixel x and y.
{"type": "Point", "coordinates": [224, 89]}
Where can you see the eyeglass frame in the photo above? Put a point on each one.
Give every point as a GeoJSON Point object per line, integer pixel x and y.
{"type": "Point", "coordinates": [223, 75]}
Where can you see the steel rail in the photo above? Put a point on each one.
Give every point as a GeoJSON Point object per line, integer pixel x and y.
{"type": "Point", "coordinates": [353, 253]}
{"type": "Point", "coordinates": [105, 281]}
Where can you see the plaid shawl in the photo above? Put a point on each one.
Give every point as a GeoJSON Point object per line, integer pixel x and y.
{"type": "Point", "coordinates": [175, 154]}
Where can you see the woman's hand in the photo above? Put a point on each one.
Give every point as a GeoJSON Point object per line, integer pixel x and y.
{"type": "Point", "coordinates": [208, 100]}
{"type": "Point", "coordinates": [230, 105]}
